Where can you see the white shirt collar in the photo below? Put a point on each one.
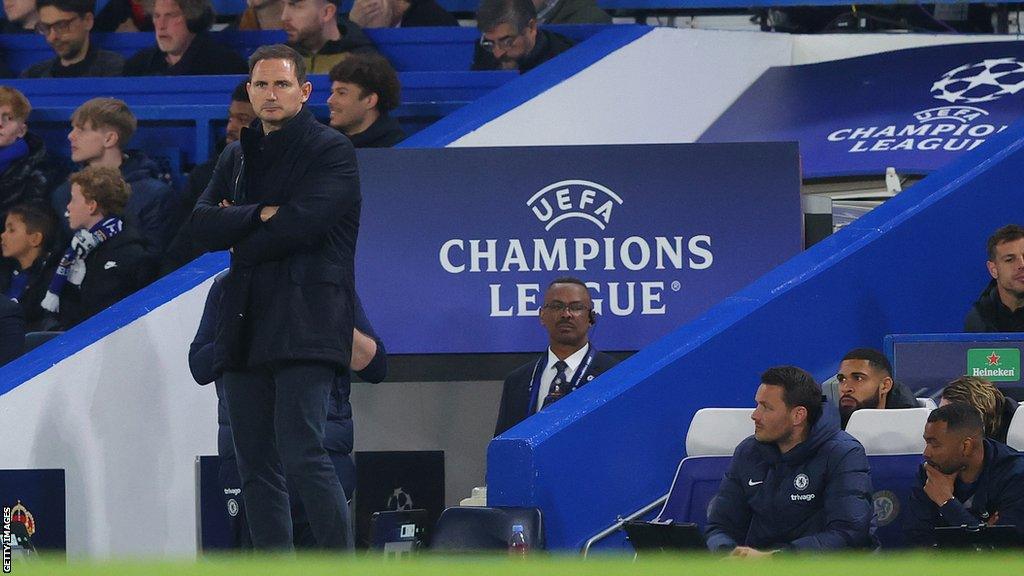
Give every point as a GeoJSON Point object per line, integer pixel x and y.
{"type": "Point", "coordinates": [573, 360]}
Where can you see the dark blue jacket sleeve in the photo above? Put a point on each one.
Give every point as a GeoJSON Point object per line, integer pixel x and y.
{"type": "Point", "coordinates": [201, 352]}
{"type": "Point", "coordinates": [728, 512]}
{"type": "Point", "coordinates": [12, 330]}
{"type": "Point", "coordinates": [377, 370]}
{"type": "Point", "coordinates": [849, 507]}
{"type": "Point", "coordinates": [217, 227]}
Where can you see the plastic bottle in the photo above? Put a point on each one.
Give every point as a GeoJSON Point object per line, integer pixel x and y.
{"type": "Point", "coordinates": [517, 545]}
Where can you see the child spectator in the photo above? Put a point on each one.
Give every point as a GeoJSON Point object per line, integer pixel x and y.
{"type": "Point", "coordinates": [27, 267]}
{"type": "Point", "coordinates": [27, 171]}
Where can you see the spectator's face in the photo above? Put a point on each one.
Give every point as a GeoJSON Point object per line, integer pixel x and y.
{"type": "Point", "coordinates": [773, 420]}
{"type": "Point", "coordinates": [303, 21]}
{"type": "Point", "coordinates": [349, 107]}
{"type": "Point", "coordinates": [943, 449]}
{"type": "Point", "coordinates": [66, 32]}
{"type": "Point", "coordinates": [275, 92]}
{"type": "Point", "coordinates": [172, 35]}
{"type": "Point", "coordinates": [89, 142]}
{"type": "Point", "coordinates": [1008, 267]}
{"type": "Point", "coordinates": [80, 211]}
{"type": "Point", "coordinates": [567, 327]}
{"type": "Point", "coordinates": [508, 45]}
{"type": "Point", "coordinates": [240, 115]}
{"type": "Point", "coordinates": [16, 241]}
{"type": "Point", "coordinates": [17, 10]}
{"type": "Point", "coordinates": [11, 128]}
{"type": "Point", "coordinates": [860, 386]}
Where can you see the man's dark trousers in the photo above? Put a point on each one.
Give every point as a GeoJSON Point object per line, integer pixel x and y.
{"type": "Point", "coordinates": [277, 413]}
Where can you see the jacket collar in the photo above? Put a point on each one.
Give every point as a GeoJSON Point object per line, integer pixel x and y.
{"type": "Point", "coordinates": [289, 134]}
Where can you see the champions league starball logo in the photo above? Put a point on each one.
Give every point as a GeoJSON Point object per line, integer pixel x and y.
{"type": "Point", "coordinates": [983, 81]}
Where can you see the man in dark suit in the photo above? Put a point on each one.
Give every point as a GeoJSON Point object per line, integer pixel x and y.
{"type": "Point", "coordinates": [569, 363]}
{"type": "Point", "coordinates": [285, 200]}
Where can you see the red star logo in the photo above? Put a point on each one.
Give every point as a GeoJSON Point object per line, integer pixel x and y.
{"type": "Point", "coordinates": [993, 359]}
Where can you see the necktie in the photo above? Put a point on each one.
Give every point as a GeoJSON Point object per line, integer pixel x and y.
{"type": "Point", "coordinates": [559, 386]}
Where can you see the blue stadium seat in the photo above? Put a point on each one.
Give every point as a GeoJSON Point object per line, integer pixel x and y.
{"type": "Point", "coordinates": [695, 484]}
{"type": "Point", "coordinates": [893, 477]}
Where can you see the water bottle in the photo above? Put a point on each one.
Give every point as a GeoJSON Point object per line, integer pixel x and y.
{"type": "Point", "coordinates": [517, 545]}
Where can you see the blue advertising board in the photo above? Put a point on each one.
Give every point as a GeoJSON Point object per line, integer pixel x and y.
{"type": "Point", "coordinates": [927, 362]}
{"type": "Point", "coordinates": [35, 498]}
{"type": "Point", "coordinates": [914, 110]}
{"type": "Point", "coordinates": [458, 244]}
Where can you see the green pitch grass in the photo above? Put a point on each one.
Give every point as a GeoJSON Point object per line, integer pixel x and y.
{"type": "Point", "coordinates": [923, 564]}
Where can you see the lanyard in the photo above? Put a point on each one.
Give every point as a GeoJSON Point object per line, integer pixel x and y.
{"type": "Point", "coordinates": [538, 373]}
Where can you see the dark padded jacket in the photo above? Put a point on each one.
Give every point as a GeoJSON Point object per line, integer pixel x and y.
{"type": "Point", "coordinates": [33, 177]}
{"type": "Point", "coordinates": [989, 314]}
{"type": "Point", "coordinates": [817, 496]}
{"type": "Point", "coordinates": [999, 489]}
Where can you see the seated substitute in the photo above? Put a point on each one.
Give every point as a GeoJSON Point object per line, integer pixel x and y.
{"type": "Point", "coordinates": [66, 25]}
{"type": "Point", "coordinates": [1000, 308]}
{"type": "Point", "coordinates": [570, 362]}
{"type": "Point", "coordinates": [106, 260]}
{"type": "Point", "coordinates": [184, 46]}
{"type": "Point", "coordinates": [510, 38]}
{"type": "Point", "coordinates": [996, 409]}
{"type": "Point", "coordinates": [27, 267]}
{"type": "Point", "coordinates": [28, 172]}
{"type": "Point", "coordinates": [966, 479]}
{"type": "Point", "coordinates": [100, 131]}
{"type": "Point", "coordinates": [400, 14]}
{"type": "Point", "coordinates": [865, 381]}
{"type": "Point", "coordinates": [315, 31]}
{"type": "Point", "coordinates": [364, 90]}
{"type": "Point", "coordinates": [797, 483]}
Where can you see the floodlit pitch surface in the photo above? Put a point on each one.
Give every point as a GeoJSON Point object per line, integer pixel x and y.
{"type": "Point", "coordinates": [894, 564]}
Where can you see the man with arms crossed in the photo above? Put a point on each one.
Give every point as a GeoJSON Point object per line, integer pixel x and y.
{"type": "Point", "coordinates": [285, 200]}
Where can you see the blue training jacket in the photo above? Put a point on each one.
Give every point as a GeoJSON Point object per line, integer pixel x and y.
{"type": "Point", "coordinates": [817, 496]}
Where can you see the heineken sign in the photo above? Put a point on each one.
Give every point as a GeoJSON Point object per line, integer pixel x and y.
{"type": "Point", "coordinates": [996, 365]}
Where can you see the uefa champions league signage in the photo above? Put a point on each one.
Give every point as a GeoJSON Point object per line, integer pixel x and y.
{"type": "Point", "coordinates": [658, 233]}
{"type": "Point", "coordinates": [911, 109]}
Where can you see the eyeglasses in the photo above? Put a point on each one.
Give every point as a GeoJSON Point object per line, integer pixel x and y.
{"type": "Point", "coordinates": [505, 42]}
{"type": "Point", "coordinates": [575, 308]}
{"type": "Point", "coordinates": [60, 26]}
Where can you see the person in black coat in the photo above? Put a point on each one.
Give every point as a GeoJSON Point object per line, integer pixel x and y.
{"type": "Point", "coordinates": [865, 381]}
{"type": "Point", "coordinates": [183, 44]}
{"type": "Point", "coordinates": [285, 200]}
{"type": "Point", "coordinates": [1000, 308]}
{"type": "Point", "coordinates": [12, 331]}
{"type": "Point", "coordinates": [364, 89]}
{"type": "Point", "coordinates": [570, 362]}
{"type": "Point", "coordinates": [369, 361]}
{"type": "Point", "coordinates": [106, 259]}
{"type": "Point", "coordinates": [27, 266]}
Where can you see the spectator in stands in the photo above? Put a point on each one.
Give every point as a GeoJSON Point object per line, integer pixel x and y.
{"type": "Point", "coordinates": [28, 173]}
{"type": "Point", "coordinates": [364, 89]}
{"type": "Point", "coordinates": [570, 12]}
{"type": "Point", "coordinates": [865, 381]}
{"type": "Point", "coordinates": [1000, 308]}
{"type": "Point", "coordinates": [66, 25]}
{"type": "Point", "coordinates": [511, 39]}
{"type": "Point", "coordinates": [369, 361]}
{"type": "Point", "coordinates": [12, 331]}
{"type": "Point", "coordinates": [124, 16]}
{"type": "Point", "coordinates": [101, 128]}
{"type": "Point", "coordinates": [400, 13]}
{"type": "Point", "coordinates": [183, 43]}
{"type": "Point", "coordinates": [570, 361]}
{"type": "Point", "coordinates": [20, 17]}
{"type": "Point", "coordinates": [314, 30]}
{"type": "Point", "coordinates": [996, 409]}
{"type": "Point", "coordinates": [797, 483]}
{"type": "Point", "coordinates": [966, 479]}
{"type": "Point", "coordinates": [261, 15]}
{"type": "Point", "coordinates": [184, 248]}
{"type": "Point", "coordinates": [106, 260]}
{"type": "Point", "coordinates": [27, 268]}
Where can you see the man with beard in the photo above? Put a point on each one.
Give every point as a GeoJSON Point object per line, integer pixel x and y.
{"type": "Point", "coordinates": [314, 30]}
{"type": "Point", "coordinates": [66, 24]}
{"type": "Point", "coordinates": [1000, 308]}
{"type": "Point", "coordinates": [510, 39]}
{"type": "Point", "coordinates": [865, 381]}
{"type": "Point", "coordinates": [570, 362]}
{"type": "Point", "coordinates": [966, 479]}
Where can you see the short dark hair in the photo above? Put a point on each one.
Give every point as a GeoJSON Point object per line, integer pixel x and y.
{"type": "Point", "coordinates": [279, 52]}
{"type": "Point", "coordinates": [38, 217]}
{"type": "Point", "coordinates": [568, 280]}
{"type": "Point", "coordinates": [80, 7]}
{"type": "Point", "coordinates": [240, 93]}
{"type": "Point", "coordinates": [875, 359]}
{"type": "Point", "coordinates": [798, 389]}
{"type": "Point", "coordinates": [1008, 233]}
{"type": "Point", "coordinates": [373, 74]}
{"type": "Point", "coordinates": [959, 417]}
{"type": "Point", "coordinates": [493, 13]}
